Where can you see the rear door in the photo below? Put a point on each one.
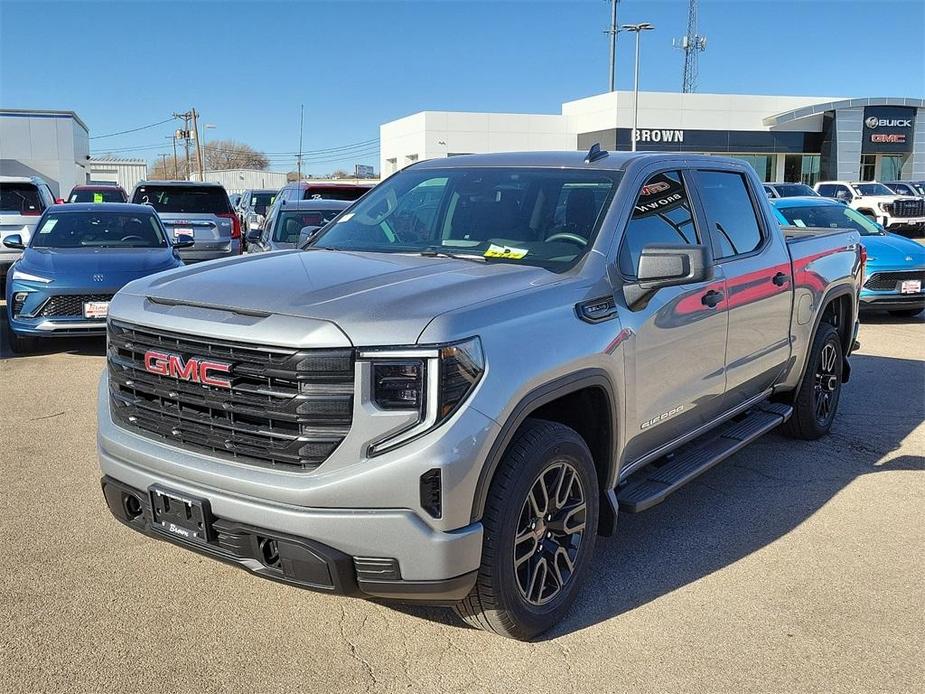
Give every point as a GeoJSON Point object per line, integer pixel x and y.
{"type": "Point", "coordinates": [192, 211]}
{"type": "Point", "coordinates": [674, 363]}
{"type": "Point", "coordinates": [756, 264]}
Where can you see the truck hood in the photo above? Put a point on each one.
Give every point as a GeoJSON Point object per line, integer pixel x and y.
{"type": "Point", "coordinates": [375, 298]}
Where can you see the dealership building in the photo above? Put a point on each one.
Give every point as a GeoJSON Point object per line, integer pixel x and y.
{"type": "Point", "coordinates": [785, 138]}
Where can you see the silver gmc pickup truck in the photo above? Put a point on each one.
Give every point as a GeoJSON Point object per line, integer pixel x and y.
{"type": "Point", "coordinates": [469, 372]}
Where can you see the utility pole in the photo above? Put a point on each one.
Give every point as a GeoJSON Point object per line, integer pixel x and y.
{"type": "Point", "coordinates": [176, 172]}
{"type": "Point", "coordinates": [185, 134]}
{"type": "Point", "coordinates": [195, 117]}
{"type": "Point", "coordinates": [612, 32]}
{"type": "Point", "coordinates": [301, 130]}
{"type": "Point", "coordinates": [164, 163]}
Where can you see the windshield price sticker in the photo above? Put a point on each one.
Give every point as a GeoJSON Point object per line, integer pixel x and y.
{"type": "Point", "coordinates": [97, 197]}
{"type": "Point", "coordinates": [495, 251]}
{"type": "Point", "coordinates": [48, 226]}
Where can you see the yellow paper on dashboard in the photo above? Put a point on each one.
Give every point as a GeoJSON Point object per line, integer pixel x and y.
{"type": "Point", "coordinates": [495, 251]}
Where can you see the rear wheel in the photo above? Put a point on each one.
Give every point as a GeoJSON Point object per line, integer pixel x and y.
{"type": "Point", "coordinates": [817, 399]}
{"type": "Point", "coordinates": [907, 312]}
{"type": "Point", "coordinates": [540, 524]}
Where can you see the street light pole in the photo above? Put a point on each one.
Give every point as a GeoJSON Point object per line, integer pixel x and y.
{"type": "Point", "coordinates": [612, 32]}
{"type": "Point", "coordinates": [636, 29]}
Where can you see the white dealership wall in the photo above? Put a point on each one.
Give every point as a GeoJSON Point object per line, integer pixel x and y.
{"type": "Point", "coordinates": [54, 145]}
{"type": "Point", "coordinates": [124, 172]}
{"type": "Point", "coordinates": [430, 134]}
{"type": "Point", "coordinates": [239, 180]}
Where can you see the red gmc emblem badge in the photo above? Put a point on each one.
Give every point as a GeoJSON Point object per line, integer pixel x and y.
{"type": "Point", "coordinates": [194, 370]}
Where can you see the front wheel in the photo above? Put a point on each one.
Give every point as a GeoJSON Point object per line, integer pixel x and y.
{"type": "Point", "coordinates": [817, 399]}
{"type": "Point", "coordinates": [540, 523]}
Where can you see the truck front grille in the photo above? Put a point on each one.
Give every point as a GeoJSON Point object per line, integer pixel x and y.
{"type": "Point", "coordinates": [908, 208]}
{"type": "Point", "coordinates": [69, 305]}
{"type": "Point", "coordinates": [285, 408]}
{"type": "Point", "coordinates": [889, 281]}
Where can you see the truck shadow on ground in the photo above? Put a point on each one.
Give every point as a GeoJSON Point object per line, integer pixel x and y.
{"type": "Point", "coordinates": [747, 502]}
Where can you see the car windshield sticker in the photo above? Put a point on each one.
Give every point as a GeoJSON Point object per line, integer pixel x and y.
{"type": "Point", "coordinates": [495, 251]}
{"type": "Point", "coordinates": [48, 226]}
{"type": "Point", "coordinates": [799, 223]}
{"type": "Point", "coordinates": [97, 197]}
{"type": "Point", "coordinates": [346, 218]}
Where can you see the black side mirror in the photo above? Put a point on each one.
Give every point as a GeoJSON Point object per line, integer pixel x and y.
{"type": "Point", "coordinates": [306, 234]}
{"type": "Point", "coordinates": [183, 242]}
{"type": "Point", "coordinates": [14, 241]}
{"type": "Point", "coordinates": [253, 235]}
{"type": "Point", "coordinates": [667, 266]}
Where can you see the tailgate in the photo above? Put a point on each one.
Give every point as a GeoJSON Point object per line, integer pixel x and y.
{"type": "Point", "coordinates": [209, 231]}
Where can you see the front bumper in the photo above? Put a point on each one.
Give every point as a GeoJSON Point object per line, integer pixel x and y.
{"type": "Point", "coordinates": [364, 512]}
{"type": "Point", "coordinates": [903, 223]}
{"type": "Point", "coordinates": [891, 301]}
{"type": "Point", "coordinates": [60, 327]}
{"type": "Point", "coordinates": [287, 558]}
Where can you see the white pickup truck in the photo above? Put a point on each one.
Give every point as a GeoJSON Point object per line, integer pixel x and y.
{"type": "Point", "coordinates": [893, 212]}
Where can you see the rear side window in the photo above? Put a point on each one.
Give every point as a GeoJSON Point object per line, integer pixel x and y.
{"type": "Point", "coordinates": [827, 190]}
{"type": "Point", "coordinates": [20, 198]}
{"type": "Point", "coordinates": [192, 199]}
{"type": "Point", "coordinates": [96, 196]}
{"type": "Point", "coordinates": [661, 215]}
{"type": "Point", "coordinates": [730, 213]}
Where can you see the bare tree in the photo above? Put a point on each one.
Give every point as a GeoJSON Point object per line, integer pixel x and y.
{"type": "Point", "coordinates": [157, 171]}
{"type": "Point", "coordinates": [228, 154]}
{"type": "Point", "coordinates": [340, 173]}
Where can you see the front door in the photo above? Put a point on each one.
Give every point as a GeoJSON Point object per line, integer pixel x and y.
{"type": "Point", "coordinates": [676, 356]}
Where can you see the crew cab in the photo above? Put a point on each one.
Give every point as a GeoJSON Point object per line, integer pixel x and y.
{"type": "Point", "coordinates": [891, 211]}
{"type": "Point", "coordinates": [469, 373]}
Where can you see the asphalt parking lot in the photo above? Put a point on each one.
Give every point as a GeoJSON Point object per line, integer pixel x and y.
{"type": "Point", "coordinates": [791, 567]}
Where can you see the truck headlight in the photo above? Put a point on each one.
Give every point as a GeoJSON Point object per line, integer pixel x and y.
{"type": "Point", "coordinates": [429, 383]}
{"type": "Point", "coordinates": [885, 207]}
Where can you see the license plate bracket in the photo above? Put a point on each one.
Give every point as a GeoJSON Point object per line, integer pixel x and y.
{"type": "Point", "coordinates": [96, 309]}
{"type": "Point", "coordinates": [910, 287]}
{"type": "Point", "coordinates": [183, 516]}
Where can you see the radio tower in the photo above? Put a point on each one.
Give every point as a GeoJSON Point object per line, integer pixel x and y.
{"type": "Point", "coordinates": [691, 43]}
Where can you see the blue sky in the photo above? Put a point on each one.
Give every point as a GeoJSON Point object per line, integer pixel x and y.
{"type": "Point", "coordinates": [246, 66]}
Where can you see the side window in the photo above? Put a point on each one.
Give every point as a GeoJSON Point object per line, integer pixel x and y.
{"type": "Point", "coordinates": [845, 191]}
{"type": "Point", "coordinates": [730, 213]}
{"type": "Point", "coordinates": [661, 215]}
{"type": "Point", "coordinates": [827, 190]}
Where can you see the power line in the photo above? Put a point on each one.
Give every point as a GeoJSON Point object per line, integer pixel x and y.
{"type": "Point", "coordinates": [133, 130]}
{"type": "Point", "coordinates": [346, 149]}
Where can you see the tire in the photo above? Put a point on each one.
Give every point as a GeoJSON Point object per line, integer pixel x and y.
{"type": "Point", "coordinates": [20, 344]}
{"type": "Point", "coordinates": [906, 312]}
{"type": "Point", "coordinates": [504, 599]}
{"type": "Point", "coordinates": [817, 398]}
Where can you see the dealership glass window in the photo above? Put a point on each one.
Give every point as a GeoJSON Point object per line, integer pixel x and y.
{"type": "Point", "coordinates": [891, 167]}
{"type": "Point", "coordinates": [868, 167]}
{"type": "Point", "coordinates": [662, 214]}
{"type": "Point", "coordinates": [730, 213]}
{"type": "Point", "coordinates": [764, 164]}
{"type": "Point", "coordinates": [802, 168]}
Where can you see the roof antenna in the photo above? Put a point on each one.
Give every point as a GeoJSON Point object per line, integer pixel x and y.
{"type": "Point", "coordinates": [595, 153]}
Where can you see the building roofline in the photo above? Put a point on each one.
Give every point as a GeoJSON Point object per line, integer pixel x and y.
{"type": "Point", "coordinates": [818, 109]}
{"type": "Point", "coordinates": [43, 113]}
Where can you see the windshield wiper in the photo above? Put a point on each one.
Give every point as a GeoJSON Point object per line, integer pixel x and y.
{"type": "Point", "coordinates": [436, 253]}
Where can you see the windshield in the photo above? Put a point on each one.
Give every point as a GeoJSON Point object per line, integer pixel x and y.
{"type": "Point", "coordinates": [105, 195]}
{"type": "Point", "coordinates": [20, 198]}
{"type": "Point", "coordinates": [99, 230]}
{"type": "Point", "coordinates": [872, 189]}
{"type": "Point", "coordinates": [831, 216]}
{"type": "Point", "coordinates": [528, 216]}
{"type": "Point", "coordinates": [191, 199]}
{"type": "Point", "coordinates": [260, 202]}
{"type": "Point", "coordinates": [290, 224]}
{"type": "Point", "coordinates": [790, 190]}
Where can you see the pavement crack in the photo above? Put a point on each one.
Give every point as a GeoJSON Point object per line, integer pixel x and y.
{"type": "Point", "coordinates": [354, 649]}
{"type": "Point", "coordinates": [46, 416]}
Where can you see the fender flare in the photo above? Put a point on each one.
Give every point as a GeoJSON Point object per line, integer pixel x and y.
{"type": "Point", "coordinates": [546, 393]}
{"type": "Point", "coordinates": [828, 298]}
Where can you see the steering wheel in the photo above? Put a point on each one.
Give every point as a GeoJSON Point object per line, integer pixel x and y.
{"type": "Point", "coordinates": [567, 236]}
{"type": "Point", "coordinates": [131, 237]}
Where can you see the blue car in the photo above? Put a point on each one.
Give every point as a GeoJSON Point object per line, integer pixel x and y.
{"type": "Point", "coordinates": [894, 278]}
{"type": "Point", "coordinates": [78, 257]}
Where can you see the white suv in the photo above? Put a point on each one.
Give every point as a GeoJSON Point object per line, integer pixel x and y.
{"type": "Point", "coordinates": [893, 212]}
{"type": "Point", "coordinates": [23, 199]}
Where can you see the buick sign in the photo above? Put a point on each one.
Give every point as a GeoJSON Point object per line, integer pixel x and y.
{"type": "Point", "coordinates": [874, 122]}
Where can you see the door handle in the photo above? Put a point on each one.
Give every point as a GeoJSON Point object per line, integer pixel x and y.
{"type": "Point", "coordinates": [711, 298]}
{"type": "Point", "coordinates": [780, 279]}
